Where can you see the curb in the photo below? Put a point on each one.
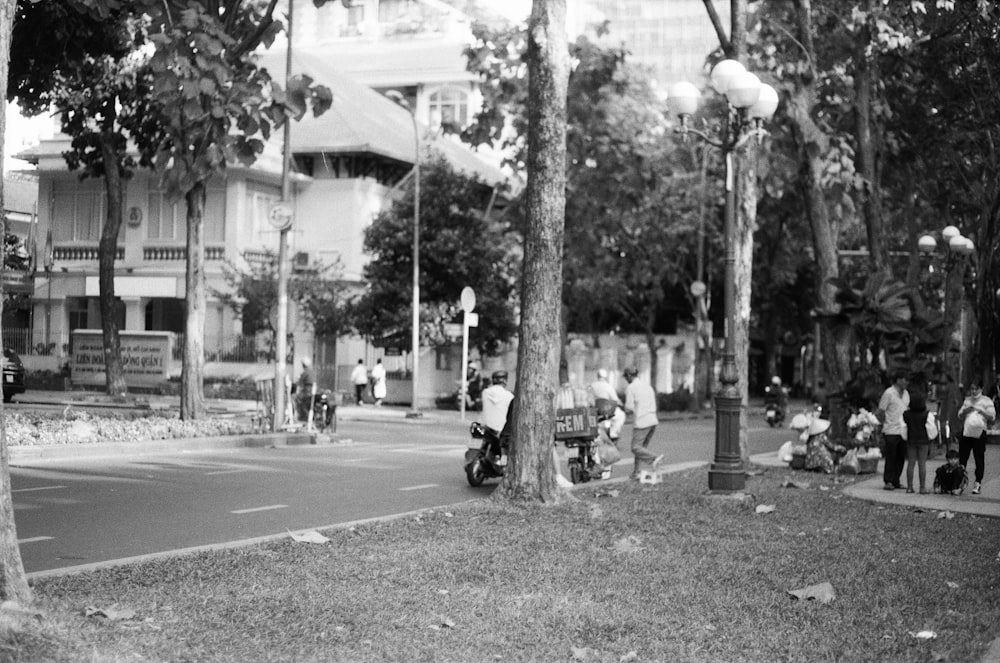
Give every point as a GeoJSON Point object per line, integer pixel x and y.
{"type": "Point", "coordinates": [146, 447]}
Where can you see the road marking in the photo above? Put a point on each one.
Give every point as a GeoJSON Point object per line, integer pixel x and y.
{"type": "Point", "coordinates": [420, 487]}
{"type": "Point", "coordinates": [35, 539]}
{"type": "Point", "coordinates": [260, 508]}
{"type": "Point", "coordinates": [209, 474]}
{"type": "Point", "coordinates": [31, 490]}
{"type": "Point", "coordinates": [356, 460]}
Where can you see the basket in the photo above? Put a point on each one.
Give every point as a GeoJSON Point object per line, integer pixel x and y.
{"type": "Point", "coordinates": [798, 461]}
{"type": "Point", "coordinates": [867, 465]}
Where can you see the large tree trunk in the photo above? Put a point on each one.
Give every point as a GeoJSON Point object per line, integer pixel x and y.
{"type": "Point", "coordinates": [866, 145]}
{"type": "Point", "coordinates": [114, 186]}
{"type": "Point", "coordinates": [13, 582]}
{"type": "Point", "coordinates": [192, 389]}
{"type": "Point", "coordinates": [530, 474]}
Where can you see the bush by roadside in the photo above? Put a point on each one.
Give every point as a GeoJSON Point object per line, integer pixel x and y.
{"type": "Point", "coordinates": [626, 572]}
{"type": "Point", "coordinates": [77, 426]}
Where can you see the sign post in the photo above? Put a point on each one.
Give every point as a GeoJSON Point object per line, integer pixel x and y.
{"type": "Point", "coordinates": [468, 304]}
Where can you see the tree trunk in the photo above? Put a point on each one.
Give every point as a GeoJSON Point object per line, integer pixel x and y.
{"type": "Point", "coordinates": [13, 582]}
{"type": "Point", "coordinates": [114, 186]}
{"type": "Point", "coordinates": [530, 474]}
{"type": "Point", "coordinates": [192, 389]}
{"type": "Point", "coordinates": [866, 146]}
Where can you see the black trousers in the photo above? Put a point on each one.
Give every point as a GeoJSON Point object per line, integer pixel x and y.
{"type": "Point", "coordinates": [895, 459]}
{"type": "Point", "coordinates": [976, 446]}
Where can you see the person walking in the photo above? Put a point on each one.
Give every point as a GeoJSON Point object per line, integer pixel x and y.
{"type": "Point", "coordinates": [918, 443]}
{"type": "Point", "coordinates": [977, 413]}
{"type": "Point", "coordinates": [359, 378]}
{"type": "Point", "coordinates": [894, 402]}
{"type": "Point", "coordinates": [378, 382]}
{"type": "Point", "coordinates": [640, 400]}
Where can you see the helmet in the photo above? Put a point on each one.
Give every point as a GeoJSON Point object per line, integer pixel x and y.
{"type": "Point", "coordinates": [631, 372]}
{"type": "Point", "coordinates": [500, 377]}
{"type": "Point", "coordinates": [602, 374]}
{"type": "Point", "coordinates": [776, 381]}
{"type": "Point", "coordinates": [306, 362]}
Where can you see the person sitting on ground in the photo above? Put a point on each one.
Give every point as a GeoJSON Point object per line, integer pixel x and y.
{"type": "Point", "coordinates": [950, 478]}
{"type": "Point", "coordinates": [496, 409]}
{"type": "Point", "coordinates": [822, 453]}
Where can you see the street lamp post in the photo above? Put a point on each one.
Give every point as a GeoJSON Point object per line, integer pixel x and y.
{"type": "Point", "coordinates": [749, 104]}
{"type": "Point", "coordinates": [415, 331]}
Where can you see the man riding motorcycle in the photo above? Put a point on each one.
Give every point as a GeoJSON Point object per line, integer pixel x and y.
{"type": "Point", "coordinates": [496, 406]}
{"type": "Point", "coordinates": [775, 396]}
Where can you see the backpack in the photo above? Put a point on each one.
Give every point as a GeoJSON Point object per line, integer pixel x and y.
{"type": "Point", "coordinates": [950, 479]}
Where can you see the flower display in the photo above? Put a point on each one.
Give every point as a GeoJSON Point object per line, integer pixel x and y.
{"type": "Point", "coordinates": [862, 426]}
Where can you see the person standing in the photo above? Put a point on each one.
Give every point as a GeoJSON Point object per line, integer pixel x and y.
{"type": "Point", "coordinates": [640, 400]}
{"type": "Point", "coordinates": [359, 378]}
{"type": "Point", "coordinates": [304, 388]}
{"type": "Point", "coordinates": [378, 382]}
{"type": "Point", "coordinates": [977, 413]}
{"type": "Point", "coordinates": [894, 402]}
{"type": "Point", "coordinates": [918, 444]}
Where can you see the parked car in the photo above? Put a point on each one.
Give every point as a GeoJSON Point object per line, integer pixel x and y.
{"type": "Point", "coordinates": [13, 375]}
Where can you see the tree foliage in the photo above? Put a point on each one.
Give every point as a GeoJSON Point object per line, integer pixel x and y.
{"type": "Point", "coordinates": [252, 294]}
{"type": "Point", "coordinates": [459, 246]}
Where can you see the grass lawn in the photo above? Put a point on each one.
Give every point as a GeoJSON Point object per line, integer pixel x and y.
{"type": "Point", "coordinates": [624, 573]}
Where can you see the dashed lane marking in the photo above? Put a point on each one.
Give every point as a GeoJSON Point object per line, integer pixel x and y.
{"type": "Point", "coordinates": [422, 486]}
{"type": "Point", "coordinates": [217, 472]}
{"type": "Point", "coordinates": [34, 539]}
{"type": "Point", "coordinates": [32, 490]}
{"type": "Point", "coordinates": [260, 508]}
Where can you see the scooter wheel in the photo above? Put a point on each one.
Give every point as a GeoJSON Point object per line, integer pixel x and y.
{"type": "Point", "coordinates": [474, 472]}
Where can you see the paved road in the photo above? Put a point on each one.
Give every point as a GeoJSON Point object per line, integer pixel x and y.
{"type": "Point", "coordinates": [79, 512]}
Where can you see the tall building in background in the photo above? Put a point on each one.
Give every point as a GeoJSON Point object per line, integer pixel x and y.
{"type": "Point", "coordinates": [671, 37]}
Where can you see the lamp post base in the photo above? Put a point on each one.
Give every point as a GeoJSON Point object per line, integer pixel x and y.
{"type": "Point", "coordinates": [726, 473]}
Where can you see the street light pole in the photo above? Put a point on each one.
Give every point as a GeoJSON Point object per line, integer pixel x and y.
{"type": "Point", "coordinates": [749, 104]}
{"type": "Point", "coordinates": [415, 331]}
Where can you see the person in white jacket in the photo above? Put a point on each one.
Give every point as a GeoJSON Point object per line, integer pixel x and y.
{"type": "Point", "coordinates": [977, 413]}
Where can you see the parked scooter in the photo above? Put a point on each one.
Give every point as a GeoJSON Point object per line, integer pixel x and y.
{"type": "Point", "coordinates": [484, 463]}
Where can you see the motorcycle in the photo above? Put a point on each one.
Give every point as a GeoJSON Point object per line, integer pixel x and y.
{"type": "Point", "coordinates": [773, 414]}
{"type": "Point", "coordinates": [582, 429]}
{"type": "Point", "coordinates": [481, 463]}
{"type": "Point", "coordinates": [323, 411]}
{"type": "Point", "coordinates": [453, 401]}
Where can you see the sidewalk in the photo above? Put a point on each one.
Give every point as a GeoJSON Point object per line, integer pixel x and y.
{"type": "Point", "coordinates": [870, 486]}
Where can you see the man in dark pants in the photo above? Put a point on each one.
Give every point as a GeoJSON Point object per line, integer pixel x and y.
{"type": "Point", "coordinates": [894, 402]}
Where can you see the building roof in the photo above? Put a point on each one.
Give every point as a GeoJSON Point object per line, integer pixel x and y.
{"type": "Point", "coordinates": [381, 64]}
{"type": "Point", "coordinates": [360, 121]}
{"type": "Point", "coordinates": [363, 121]}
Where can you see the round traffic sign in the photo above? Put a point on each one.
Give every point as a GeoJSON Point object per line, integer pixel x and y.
{"type": "Point", "coordinates": [468, 299]}
{"type": "Point", "coordinates": [280, 216]}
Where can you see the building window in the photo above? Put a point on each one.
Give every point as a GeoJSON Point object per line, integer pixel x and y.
{"type": "Point", "coordinates": [168, 222]}
{"type": "Point", "coordinates": [260, 199]}
{"type": "Point", "coordinates": [78, 211]}
{"type": "Point", "coordinates": [449, 106]}
{"type": "Point", "coordinates": [442, 359]}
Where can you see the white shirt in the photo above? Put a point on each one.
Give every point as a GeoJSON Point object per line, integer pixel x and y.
{"type": "Point", "coordinates": [603, 389]}
{"type": "Point", "coordinates": [894, 405]}
{"type": "Point", "coordinates": [981, 414]}
{"type": "Point", "coordinates": [359, 375]}
{"type": "Point", "coordinates": [496, 402]}
{"type": "Point", "coordinates": [641, 399]}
